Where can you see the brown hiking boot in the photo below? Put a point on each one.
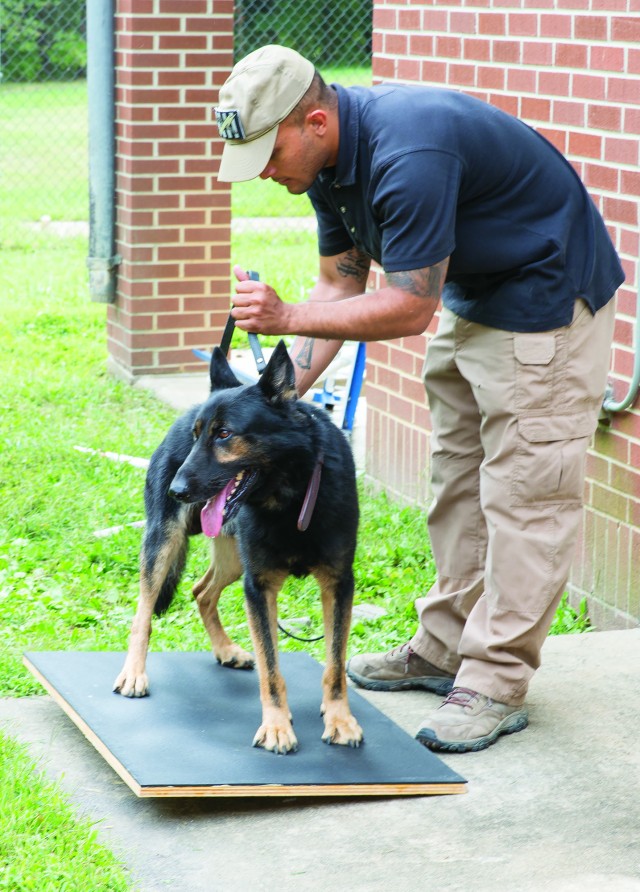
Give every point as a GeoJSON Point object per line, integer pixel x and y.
{"type": "Point", "coordinates": [400, 669]}
{"type": "Point", "coordinates": [468, 722]}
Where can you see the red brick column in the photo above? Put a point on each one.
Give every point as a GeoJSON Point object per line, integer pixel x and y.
{"type": "Point", "coordinates": [571, 69]}
{"type": "Point", "coordinates": [173, 218]}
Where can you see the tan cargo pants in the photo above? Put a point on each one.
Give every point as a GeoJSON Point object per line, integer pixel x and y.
{"type": "Point", "coordinates": [512, 417]}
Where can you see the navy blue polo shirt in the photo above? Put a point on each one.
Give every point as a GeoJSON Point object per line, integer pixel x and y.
{"type": "Point", "coordinates": [426, 173]}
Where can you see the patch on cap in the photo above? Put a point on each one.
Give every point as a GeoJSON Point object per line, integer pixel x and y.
{"type": "Point", "coordinates": [229, 123]}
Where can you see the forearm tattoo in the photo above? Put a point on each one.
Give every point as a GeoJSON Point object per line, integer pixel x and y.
{"type": "Point", "coordinates": [354, 264]}
{"type": "Point", "coordinates": [304, 355]}
{"type": "Point", "coordinates": [425, 282]}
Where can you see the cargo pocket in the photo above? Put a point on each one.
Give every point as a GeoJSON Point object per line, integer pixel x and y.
{"type": "Point", "coordinates": [549, 461]}
{"type": "Point", "coordinates": [534, 355]}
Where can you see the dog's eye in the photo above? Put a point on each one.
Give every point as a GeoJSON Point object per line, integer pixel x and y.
{"type": "Point", "coordinates": [223, 434]}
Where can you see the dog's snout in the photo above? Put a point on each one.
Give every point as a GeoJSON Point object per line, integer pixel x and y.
{"type": "Point", "coordinates": [179, 488]}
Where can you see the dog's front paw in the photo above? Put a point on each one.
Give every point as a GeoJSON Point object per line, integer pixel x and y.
{"type": "Point", "coordinates": [341, 728]}
{"type": "Point", "coordinates": [234, 657]}
{"type": "Point", "coordinates": [277, 738]}
{"type": "Point", "coordinates": [131, 684]}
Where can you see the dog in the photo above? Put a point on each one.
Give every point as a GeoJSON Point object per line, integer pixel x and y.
{"type": "Point", "coordinates": [271, 480]}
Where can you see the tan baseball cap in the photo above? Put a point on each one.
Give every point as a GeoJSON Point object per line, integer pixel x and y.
{"type": "Point", "coordinates": [262, 89]}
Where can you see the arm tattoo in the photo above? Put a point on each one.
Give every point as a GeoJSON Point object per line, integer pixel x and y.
{"type": "Point", "coordinates": [355, 264]}
{"type": "Point", "coordinates": [425, 282]}
{"type": "Point", "coordinates": [303, 359]}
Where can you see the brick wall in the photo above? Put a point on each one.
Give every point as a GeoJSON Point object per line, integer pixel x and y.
{"type": "Point", "coordinates": [173, 218]}
{"type": "Point", "coordinates": [570, 68]}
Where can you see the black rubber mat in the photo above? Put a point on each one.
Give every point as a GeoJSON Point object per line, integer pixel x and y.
{"type": "Point", "coordinates": [192, 736]}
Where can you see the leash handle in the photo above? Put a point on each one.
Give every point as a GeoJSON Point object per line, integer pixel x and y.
{"type": "Point", "coordinates": [254, 343]}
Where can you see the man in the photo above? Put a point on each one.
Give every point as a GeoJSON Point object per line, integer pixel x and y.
{"type": "Point", "coordinates": [461, 202]}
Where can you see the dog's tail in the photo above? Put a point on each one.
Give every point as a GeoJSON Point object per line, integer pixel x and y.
{"type": "Point", "coordinates": [170, 584]}
{"type": "Point", "coordinates": [162, 563]}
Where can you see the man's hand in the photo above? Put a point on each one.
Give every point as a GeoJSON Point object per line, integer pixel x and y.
{"type": "Point", "coordinates": [257, 308]}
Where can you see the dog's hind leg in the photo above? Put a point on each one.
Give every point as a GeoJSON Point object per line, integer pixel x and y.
{"type": "Point", "coordinates": [340, 726]}
{"type": "Point", "coordinates": [224, 569]}
{"type": "Point", "coordinates": [162, 558]}
{"type": "Point", "coordinates": [276, 731]}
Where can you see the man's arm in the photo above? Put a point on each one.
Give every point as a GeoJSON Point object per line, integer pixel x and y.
{"type": "Point", "coordinates": [405, 306]}
{"type": "Point", "coordinates": [341, 276]}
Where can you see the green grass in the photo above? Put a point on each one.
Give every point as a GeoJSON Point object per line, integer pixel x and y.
{"type": "Point", "coordinates": [264, 198]}
{"type": "Point", "coordinates": [44, 846]}
{"type": "Point", "coordinates": [286, 258]}
{"type": "Point", "coordinates": [568, 621]}
{"type": "Point", "coordinates": [43, 152]}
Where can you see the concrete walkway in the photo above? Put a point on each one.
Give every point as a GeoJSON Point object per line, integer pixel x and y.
{"type": "Point", "coordinates": [555, 807]}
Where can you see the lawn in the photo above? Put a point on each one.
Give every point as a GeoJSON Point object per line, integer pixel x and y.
{"type": "Point", "coordinates": [61, 587]}
{"type": "Point", "coordinates": [44, 846]}
{"type": "Point", "coordinates": [43, 152]}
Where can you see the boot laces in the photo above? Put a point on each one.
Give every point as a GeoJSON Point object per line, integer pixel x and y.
{"type": "Point", "coordinates": [461, 697]}
{"type": "Point", "coordinates": [404, 649]}
{"type": "Point", "coordinates": [401, 648]}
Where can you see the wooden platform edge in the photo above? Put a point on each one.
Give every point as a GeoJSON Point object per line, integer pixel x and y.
{"type": "Point", "coordinates": [309, 790]}
{"type": "Point", "coordinates": [238, 790]}
{"type": "Point", "coordinates": [93, 739]}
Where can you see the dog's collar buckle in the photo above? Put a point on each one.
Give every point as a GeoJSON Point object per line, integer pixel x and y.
{"type": "Point", "coordinates": [306, 512]}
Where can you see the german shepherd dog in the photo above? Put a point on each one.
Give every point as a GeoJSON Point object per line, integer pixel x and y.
{"type": "Point", "coordinates": [244, 467]}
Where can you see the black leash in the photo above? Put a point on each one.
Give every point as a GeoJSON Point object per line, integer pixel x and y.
{"type": "Point", "coordinates": [254, 343]}
{"type": "Point", "coordinates": [297, 637]}
{"type": "Point", "coordinates": [227, 334]}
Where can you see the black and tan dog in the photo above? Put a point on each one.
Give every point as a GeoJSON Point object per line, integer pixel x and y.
{"type": "Point", "coordinates": [271, 480]}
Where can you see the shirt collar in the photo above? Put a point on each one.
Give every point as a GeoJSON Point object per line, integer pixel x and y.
{"type": "Point", "coordinates": [349, 118]}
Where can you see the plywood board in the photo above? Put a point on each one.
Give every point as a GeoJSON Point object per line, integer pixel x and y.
{"type": "Point", "coordinates": [192, 735]}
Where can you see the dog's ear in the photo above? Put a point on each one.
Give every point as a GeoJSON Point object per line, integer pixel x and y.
{"type": "Point", "coordinates": [278, 381]}
{"type": "Point", "coordinates": [220, 374]}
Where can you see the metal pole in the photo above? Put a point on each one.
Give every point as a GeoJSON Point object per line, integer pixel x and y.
{"type": "Point", "coordinates": [102, 260]}
{"type": "Point", "coordinates": [610, 405]}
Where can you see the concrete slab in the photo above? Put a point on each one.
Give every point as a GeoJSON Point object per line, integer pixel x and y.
{"type": "Point", "coordinates": [554, 807]}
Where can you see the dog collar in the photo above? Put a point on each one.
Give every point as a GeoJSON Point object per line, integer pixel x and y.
{"type": "Point", "coordinates": [306, 512]}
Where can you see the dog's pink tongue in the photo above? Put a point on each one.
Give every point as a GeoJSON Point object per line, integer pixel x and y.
{"type": "Point", "coordinates": [212, 514]}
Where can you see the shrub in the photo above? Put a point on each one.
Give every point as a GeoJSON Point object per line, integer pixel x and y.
{"type": "Point", "coordinates": [42, 40]}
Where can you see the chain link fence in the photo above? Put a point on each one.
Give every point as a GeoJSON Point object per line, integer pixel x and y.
{"type": "Point", "coordinates": [43, 111]}
{"type": "Point", "coordinates": [330, 34]}
{"type": "Point", "coordinates": [43, 97]}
